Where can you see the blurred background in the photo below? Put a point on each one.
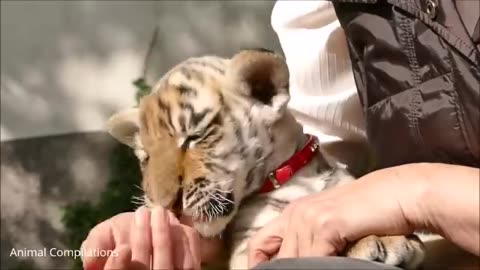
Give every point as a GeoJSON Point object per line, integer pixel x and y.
{"type": "Point", "coordinates": [66, 66]}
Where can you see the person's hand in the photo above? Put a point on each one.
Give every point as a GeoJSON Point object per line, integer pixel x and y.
{"type": "Point", "coordinates": [142, 240]}
{"type": "Point", "coordinates": [322, 224]}
{"type": "Point", "coordinates": [393, 201]}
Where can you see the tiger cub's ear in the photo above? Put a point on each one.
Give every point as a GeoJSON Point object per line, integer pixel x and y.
{"type": "Point", "coordinates": [263, 76]}
{"type": "Point", "coordinates": [124, 126]}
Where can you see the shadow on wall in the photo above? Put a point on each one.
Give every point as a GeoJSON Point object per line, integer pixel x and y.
{"type": "Point", "coordinates": [66, 67]}
{"type": "Point", "coordinates": [39, 177]}
{"type": "Point", "coordinates": [209, 27]}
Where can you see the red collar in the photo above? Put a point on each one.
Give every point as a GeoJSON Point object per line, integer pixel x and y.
{"type": "Point", "coordinates": [296, 162]}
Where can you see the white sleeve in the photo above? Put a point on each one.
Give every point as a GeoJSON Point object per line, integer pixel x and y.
{"type": "Point", "coordinates": [323, 94]}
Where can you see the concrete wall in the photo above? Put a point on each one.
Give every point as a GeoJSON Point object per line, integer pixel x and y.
{"type": "Point", "coordinates": [39, 177]}
{"type": "Point", "coordinates": [66, 66]}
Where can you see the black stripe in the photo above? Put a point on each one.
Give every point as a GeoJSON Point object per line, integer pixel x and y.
{"type": "Point", "coordinates": [198, 117]}
{"type": "Point", "coordinates": [198, 180]}
{"type": "Point", "coordinates": [250, 177]}
{"type": "Point", "coordinates": [244, 152]}
{"type": "Point", "coordinates": [186, 90]}
{"type": "Point", "coordinates": [214, 141]}
{"type": "Point", "coordinates": [162, 124]}
{"type": "Point", "coordinates": [238, 130]}
{"type": "Point", "coordinates": [166, 109]}
{"type": "Point", "coordinates": [221, 100]}
{"type": "Point", "coordinates": [225, 107]}
{"type": "Point", "coordinates": [190, 193]}
{"type": "Point", "coordinates": [169, 119]}
{"type": "Point", "coordinates": [192, 74]}
{"type": "Point", "coordinates": [196, 75]}
{"type": "Point", "coordinates": [197, 199]}
{"type": "Point", "coordinates": [186, 106]}
{"type": "Point", "coordinates": [217, 167]}
{"type": "Point", "coordinates": [221, 156]}
{"type": "Point", "coordinates": [322, 164]}
{"type": "Point", "coordinates": [143, 120]}
{"type": "Point", "coordinates": [211, 127]}
{"type": "Point", "coordinates": [162, 105]}
{"type": "Point", "coordinates": [258, 153]}
{"type": "Point", "coordinates": [185, 72]}
{"type": "Point", "coordinates": [181, 122]}
{"type": "Point", "coordinates": [208, 133]}
{"type": "Point", "coordinates": [208, 65]}
{"type": "Point", "coordinates": [216, 120]}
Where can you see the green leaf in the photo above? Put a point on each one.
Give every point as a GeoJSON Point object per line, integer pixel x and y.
{"type": "Point", "coordinates": [142, 88]}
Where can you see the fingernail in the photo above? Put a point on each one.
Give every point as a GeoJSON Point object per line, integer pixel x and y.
{"type": "Point", "coordinates": [139, 219]}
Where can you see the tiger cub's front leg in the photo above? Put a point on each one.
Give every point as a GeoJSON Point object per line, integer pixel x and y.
{"type": "Point", "coordinates": [406, 252]}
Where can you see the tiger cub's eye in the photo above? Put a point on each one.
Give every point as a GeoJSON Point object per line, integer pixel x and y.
{"type": "Point", "coordinates": [194, 137]}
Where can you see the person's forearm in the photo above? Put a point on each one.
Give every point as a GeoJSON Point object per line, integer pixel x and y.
{"type": "Point", "coordinates": [445, 201]}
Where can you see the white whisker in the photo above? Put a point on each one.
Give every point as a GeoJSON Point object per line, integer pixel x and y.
{"type": "Point", "coordinates": [214, 210]}
{"type": "Point", "coordinates": [223, 191]}
{"type": "Point", "coordinates": [226, 181]}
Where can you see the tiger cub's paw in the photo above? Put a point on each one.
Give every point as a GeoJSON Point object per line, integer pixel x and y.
{"type": "Point", "coordinates": [406, 252]}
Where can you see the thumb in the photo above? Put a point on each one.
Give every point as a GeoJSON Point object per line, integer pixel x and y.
{"type": "Point", "coordinates": [265, 243]}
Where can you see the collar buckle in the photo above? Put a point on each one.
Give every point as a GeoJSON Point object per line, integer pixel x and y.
{"type": "Point", "coordinates": [314, 147]}
{"type": "Point", "coordinates": [276, 178]}
{"type": "Point", "coordinates": [273, 180]}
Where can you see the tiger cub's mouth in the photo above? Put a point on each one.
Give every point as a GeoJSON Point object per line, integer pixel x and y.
{"type": "Point", "coordinates": [208, 211]}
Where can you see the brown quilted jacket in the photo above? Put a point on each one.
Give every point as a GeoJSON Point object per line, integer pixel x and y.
{"type": "Point", "coordinates": [416, 64]}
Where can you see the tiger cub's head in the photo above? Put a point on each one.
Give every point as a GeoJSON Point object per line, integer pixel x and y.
{"type": "Point", "coordinates": [209, 132]}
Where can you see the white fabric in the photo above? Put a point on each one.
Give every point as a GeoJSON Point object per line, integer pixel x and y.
{"type": "Point", "coordinates": [323, 93]}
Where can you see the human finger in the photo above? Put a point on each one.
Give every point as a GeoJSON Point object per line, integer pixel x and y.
{"type": "Point", "coordinates": [119, 259]}
{"type": "Point", "coordinates": [162, 240]}
{"type": "Point", "coordinates": [99, 238]}
{"type": "Point", "coordinates": [265, 243]}
{"type": "Point", "coordinates": [195, 248]}
{"type": "Point", "coordinates": [187, 242]}
{"type": "Point", "coordinates": [187, 248]}
{"type": "Point", "coordinates": [141, 238]}
{"type": "Point", "coordinates": [289, 247]}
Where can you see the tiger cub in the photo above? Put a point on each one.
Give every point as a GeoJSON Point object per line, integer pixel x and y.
{"type": "Point", "coordinates": [209, 134]}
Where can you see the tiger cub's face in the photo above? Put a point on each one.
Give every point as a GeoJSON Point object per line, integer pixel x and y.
{"type": "Point", "coordinates": [204, 133]}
